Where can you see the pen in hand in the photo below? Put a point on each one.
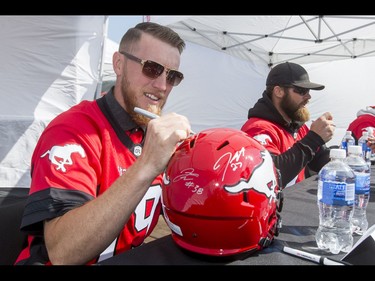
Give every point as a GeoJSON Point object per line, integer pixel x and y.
{"type": "Point", "coordinates": [146, 113]}
{"type": "Point", "coordinates": [150, 115]}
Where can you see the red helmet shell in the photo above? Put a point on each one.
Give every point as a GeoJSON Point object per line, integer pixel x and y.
{"type": "Point", "coordinates": [220, 193]}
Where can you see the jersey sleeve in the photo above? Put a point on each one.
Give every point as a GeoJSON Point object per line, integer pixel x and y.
{"type": "Point", "coordinates": [267, 134]}
{"type": "Point", "coordinates": [64, 172]}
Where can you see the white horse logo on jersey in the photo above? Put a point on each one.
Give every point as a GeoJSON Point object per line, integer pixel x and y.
{"type": "Point", "coordinates": [262, 179]}
{"type": "Point", "coordinates": [62, 155]}
{"type": "Point", "coordinates": [262, 139]}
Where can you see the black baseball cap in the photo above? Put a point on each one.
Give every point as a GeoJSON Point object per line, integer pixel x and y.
{"type": "Point", "coordinates": [289, 73]}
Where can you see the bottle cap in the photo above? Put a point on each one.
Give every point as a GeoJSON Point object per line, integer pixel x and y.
{"type": "Point", "coordinates": [337, 153]}
{"type": "Point", "coordinates": [356, 149]}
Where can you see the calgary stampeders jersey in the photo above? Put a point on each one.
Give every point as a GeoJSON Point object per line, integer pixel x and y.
{"type": "Point", "coordinates": [275, 138]}
{"type": "Point", "coordinates": [78, 156]}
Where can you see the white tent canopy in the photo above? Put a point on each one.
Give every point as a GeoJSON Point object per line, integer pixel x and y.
{"type": "Point", "coordinates": [275, 39]}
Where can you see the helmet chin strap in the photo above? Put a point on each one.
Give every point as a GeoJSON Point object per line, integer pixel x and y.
{"type": "Point", "coordinates": [273, 231]}
{"type": "Point", "coordinates": [275, 225]}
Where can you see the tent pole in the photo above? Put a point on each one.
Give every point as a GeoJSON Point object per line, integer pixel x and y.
{"type": "Point", "coordinates": [100, 76]}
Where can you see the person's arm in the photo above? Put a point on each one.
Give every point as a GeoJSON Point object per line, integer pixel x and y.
{"type": "Point", "coordinates": [291, 162]}
{"type": "Point", "coordinates": [321, 158]}
{"type": "Point", "coordinates": [84, 232]}
{"type": "Point", "coordinates": [301, 153]}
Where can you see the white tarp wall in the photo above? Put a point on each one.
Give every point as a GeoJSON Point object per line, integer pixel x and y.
{"type": "Point", "coordinates": [218, 89]}
{"type": "Point", "coordinates": [110, 47]}
{"type": "Point", "coordinates": [48, 64]}
{"type": "Point", "coordinates": [349, 88]}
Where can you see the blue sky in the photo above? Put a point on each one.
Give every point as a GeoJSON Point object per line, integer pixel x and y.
{"type": "Point", "coordinates": [118, 25]}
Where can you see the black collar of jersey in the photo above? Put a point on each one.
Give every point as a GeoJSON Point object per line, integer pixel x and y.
{"type": "Point", "coordinates": [123, 118]}
{"type": "Point", "coordinates": [120, 121]}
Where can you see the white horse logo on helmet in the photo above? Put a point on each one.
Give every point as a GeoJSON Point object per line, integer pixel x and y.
{"type": "Point", "coordinates": [62, 155]}
{"type": "Point", "coordinates": [262, 180]}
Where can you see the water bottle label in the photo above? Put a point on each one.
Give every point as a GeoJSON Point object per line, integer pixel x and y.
{"type": "Point", "coordinates": [337, 193]}
{"type": "Point", "coordinates": [362, 183]}
{"type": "Point", "coordinates": [344, 145]}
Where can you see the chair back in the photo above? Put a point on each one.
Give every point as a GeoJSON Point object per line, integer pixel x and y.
{"type": "Point", "coordinates": [12, 240]}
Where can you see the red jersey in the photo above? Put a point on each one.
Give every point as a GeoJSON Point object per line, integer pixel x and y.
{"type": "Point", "coordinates": [78, 157]}
{"type": "Point", "coordinates": [275, 138]}
{"type": "Point", "coordinates": [293, 145]}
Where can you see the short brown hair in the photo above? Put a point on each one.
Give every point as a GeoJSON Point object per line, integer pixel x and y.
{"type": "Point", "coordinates": [164, 33]}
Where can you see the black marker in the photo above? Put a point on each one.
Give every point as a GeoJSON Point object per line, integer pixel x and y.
{"type": "Point", "coordinates": [312, 257]}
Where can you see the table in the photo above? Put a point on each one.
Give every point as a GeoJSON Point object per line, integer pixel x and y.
{"type": "Point", "coordinates": [300, 221]}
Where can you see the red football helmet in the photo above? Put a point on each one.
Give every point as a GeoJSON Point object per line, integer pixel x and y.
{"type": "Point", "coordinates": [220, 194]}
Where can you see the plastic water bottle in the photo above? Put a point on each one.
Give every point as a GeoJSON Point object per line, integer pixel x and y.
{"type": "Point", "coordinates": [336, 187]}
{"type": "Point", "coordinates": [347, 140]}
{"type": "Point", "coordinates": [366, 150]}
{"type": "Point", "coordinates": [362, 188]}
{"type": "Point", "coordinates": [370, 131]}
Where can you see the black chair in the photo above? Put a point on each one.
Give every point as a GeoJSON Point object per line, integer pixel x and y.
{"type": "Point", "coordinates": [12, 240]}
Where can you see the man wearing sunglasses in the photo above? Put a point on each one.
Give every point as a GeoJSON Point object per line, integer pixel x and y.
{"type": "Point", "coordinates": [278, 119]}
{"type": "Point", "coordinates": [97, 168]}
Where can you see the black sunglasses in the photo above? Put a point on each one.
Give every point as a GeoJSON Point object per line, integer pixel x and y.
{"type": "Point", "coordinates": [153, 70]}
{"type": "Point", "coordinates": [297, 90]}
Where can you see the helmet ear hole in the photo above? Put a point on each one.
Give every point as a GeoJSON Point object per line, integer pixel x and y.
{"type": "Point", "coordinates": [221, 196]}
{"type": "Point", "coordinates": [222, 145]}
{"type": "Point", "coordinates": [192, 143]}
